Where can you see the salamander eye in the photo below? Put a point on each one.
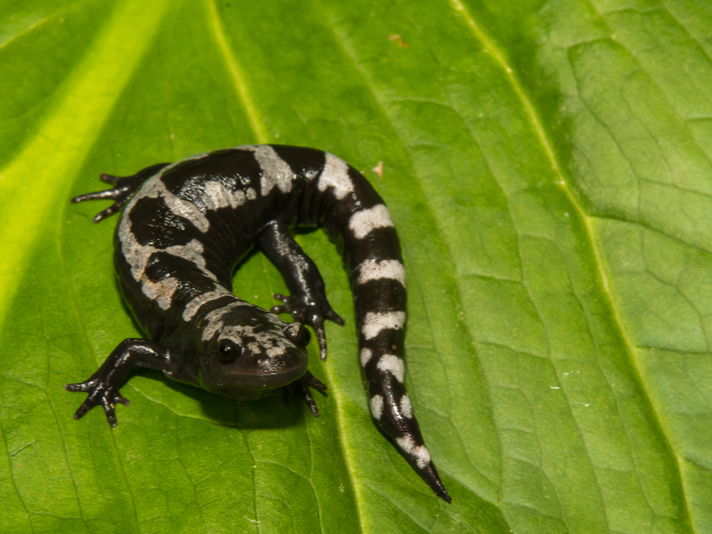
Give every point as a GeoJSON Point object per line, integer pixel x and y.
{"type": "Point", "coordinates": [298, 334]}
{"type": "Point", "coordinates": [229, 351]}
{"type": "Point", "coordinates": [303, 337]}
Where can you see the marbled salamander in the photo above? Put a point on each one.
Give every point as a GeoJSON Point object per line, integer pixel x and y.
{"type": "Point", "coordinates": [177, 242]}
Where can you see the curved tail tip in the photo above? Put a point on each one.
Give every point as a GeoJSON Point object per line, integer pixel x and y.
{"type": "Point", "coordinates": [432, 478]}
{"type": "Point", "coordinates": [443, 494]}
{"type": "Point", "coordinates": [419, 458]}
{"type": "Point", "coordinates": [430, 475]}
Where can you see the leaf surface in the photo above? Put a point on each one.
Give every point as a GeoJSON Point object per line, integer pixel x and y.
{"type": "Point", "coordinates": [547, 165]}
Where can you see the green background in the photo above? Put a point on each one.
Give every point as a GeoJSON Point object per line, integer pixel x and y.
{"type": "Point", "coordinates": [548, 166]}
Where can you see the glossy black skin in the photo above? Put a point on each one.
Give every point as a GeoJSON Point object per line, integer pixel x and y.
{"type": "Point", "coordinates": [177, 244]}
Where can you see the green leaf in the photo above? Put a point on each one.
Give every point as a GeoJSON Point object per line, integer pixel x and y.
{"type": "Point", "coordinates": [547, 165]}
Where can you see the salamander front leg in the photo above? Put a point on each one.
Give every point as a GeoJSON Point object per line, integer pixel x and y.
{"type": "Point", "coordinates": [302, 386]}
{"type": "Point", "coordinates": [307, 303]}
{"type": "Point", "coordinates": [103, 386]}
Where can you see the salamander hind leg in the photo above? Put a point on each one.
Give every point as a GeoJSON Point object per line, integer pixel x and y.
{"type": "Point", "coordinates": [307, 303]}
{"type": "Point", "coordinates": [124, 188]}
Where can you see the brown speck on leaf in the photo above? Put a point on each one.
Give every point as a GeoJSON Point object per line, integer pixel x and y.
{"type": "Point", "coordinates": [378, 169]}
{"type": "Point", "coordinates": [398, 39]}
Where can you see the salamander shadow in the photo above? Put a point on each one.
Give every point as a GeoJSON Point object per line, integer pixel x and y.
{"type": "Point", "coordinates": [269, 412]}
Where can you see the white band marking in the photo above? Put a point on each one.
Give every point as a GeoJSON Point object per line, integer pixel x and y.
{"type": "Point", "coordinates": [377, 406]}
{"type": "Point", "coordinates": [366, 355]}
{"type": "Point", "coordinates": [137, 257]}
{"type": "Point", "coordinates": [217, 196]}
{"type": "Point", "coordinates": [275, 171]}
{"type": "Point", "coordinates": [336, 176]}
{"type": "Point", "coordinates": [420, 452]}
{"type": "Point", "coordinates": [214, 319]}
{"type": "Point", "coordinates": [377, 270]}
{"type": "Point", "coordinates": [155, 188]}
{"type": "Point", "coordinates": [194, 305]}
{"type": "Point", "coordinates": [392, 364]}
{"type": "Point", "coordinates": [364, 222]}
{"type": "Point", "coordinates": [375, 322]}
{"type": "Point", "coordinates": [406, 406]}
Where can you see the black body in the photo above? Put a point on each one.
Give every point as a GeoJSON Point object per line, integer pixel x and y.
{"type": "Point", "coordinates": [185, 227]}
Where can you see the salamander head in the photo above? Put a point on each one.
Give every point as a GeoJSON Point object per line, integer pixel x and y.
{"type": "Point", "coordinates": [252, 353]}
